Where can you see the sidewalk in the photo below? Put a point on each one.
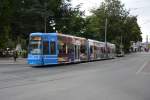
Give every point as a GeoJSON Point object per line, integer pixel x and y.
{"type": "Point", "coordinates": [147, 53]}
{"type": "Point", "coordinates": [11, 61]}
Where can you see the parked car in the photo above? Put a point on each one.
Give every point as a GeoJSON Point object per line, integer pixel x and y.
{"type": "Point", "coordinates": [120, 53]}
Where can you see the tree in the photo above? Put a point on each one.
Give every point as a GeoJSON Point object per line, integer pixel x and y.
{"type": "Point", "coordinates": [70, 20]}
{"type": "Point", "coordinates": [120, 24]}
{"type": "Point", "coordinates": [6, 14]}
{"type": "Point", "coordinates": [21, 17]}
{"type": "Point", "coordinates": [132, 32]}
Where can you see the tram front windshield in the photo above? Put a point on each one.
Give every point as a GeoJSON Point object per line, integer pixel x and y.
{"type": "Point", "coordinates": [35, 47]}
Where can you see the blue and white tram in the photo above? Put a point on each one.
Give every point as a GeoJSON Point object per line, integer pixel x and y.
{"type": "Point", "coordinates": [43, 49]}
{"type": "Point", "coordinates": [55, 48]}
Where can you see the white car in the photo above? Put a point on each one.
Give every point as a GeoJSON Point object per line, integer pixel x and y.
{"type": "Point", "coordinates": [120, 54]}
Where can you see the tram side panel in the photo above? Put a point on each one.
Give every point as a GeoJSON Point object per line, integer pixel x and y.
{"type": "Point", "coordinates": [65, 49]}
{"type": "Point", "coordinates": [96, 50]}
{"type": "Point", "coordinates": [71, 49]}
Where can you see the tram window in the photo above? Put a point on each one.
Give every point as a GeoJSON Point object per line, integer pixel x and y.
{"type": "Point", "coordinates": [83, 49]}
{"type": "Point", "coordinates": [102, 51]}
{"type": "Point", "coordinates": [53, 47]}
{"type": "Point", "coordinates": [91, 49]}
{"type": "Point", "coordinates": [70, 48]}
{"type": "Point", "coordinates": [62, 48]}
{"type": "Point", "coordinates": [46, 47]}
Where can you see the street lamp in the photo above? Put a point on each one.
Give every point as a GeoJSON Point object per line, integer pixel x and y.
{"type": "Point", "coordinates": [106, 32]}
{"type": "Point", "coordinates": [52, 24]}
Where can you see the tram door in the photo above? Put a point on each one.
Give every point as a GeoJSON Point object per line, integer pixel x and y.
{"type": "Point", "coordinates": [77, 52]}
{"type": "Point", "coordinates": [50, 50]}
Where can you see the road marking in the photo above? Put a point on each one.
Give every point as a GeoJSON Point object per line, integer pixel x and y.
{"type": "Point", "coordinates": [142, 67]}
{"type": "Point", "coordinates": [145, 73]}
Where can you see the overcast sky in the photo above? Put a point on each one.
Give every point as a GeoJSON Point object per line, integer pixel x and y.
{"type": "Point", "coordinates": [141, 8]}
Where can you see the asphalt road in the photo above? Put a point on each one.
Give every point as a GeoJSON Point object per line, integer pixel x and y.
{"type": "Point", "coordinates": [126, 78]}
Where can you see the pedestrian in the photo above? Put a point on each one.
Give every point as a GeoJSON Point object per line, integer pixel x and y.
{"type": "Point", "coordinates": [15, 55]}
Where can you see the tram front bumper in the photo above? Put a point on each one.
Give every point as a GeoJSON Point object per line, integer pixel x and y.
{"type": "Point", "coordinates": [35, 60]}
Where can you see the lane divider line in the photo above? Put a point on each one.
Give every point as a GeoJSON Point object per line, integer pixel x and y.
{"type": "Point", "coordinates": [142, 67]}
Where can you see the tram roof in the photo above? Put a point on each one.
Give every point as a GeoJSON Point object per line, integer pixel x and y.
{"type": "Point", "coordinates": [59, 34]}
{"type": "Point", "coordinates": [40, 33]}
{"type": "Point", "coordinates": [95, 41]}
{"type": "Point", "coordinates": [71, 36]}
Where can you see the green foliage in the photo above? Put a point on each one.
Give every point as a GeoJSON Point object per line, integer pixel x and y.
{"type": "Point", "coordinates": [18, 18]}
{"type": "Point", "coordinates": [120, 24]}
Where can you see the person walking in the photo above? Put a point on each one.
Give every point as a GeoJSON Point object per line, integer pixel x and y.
{"type": "Point", "coordinates": [15, 55]}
